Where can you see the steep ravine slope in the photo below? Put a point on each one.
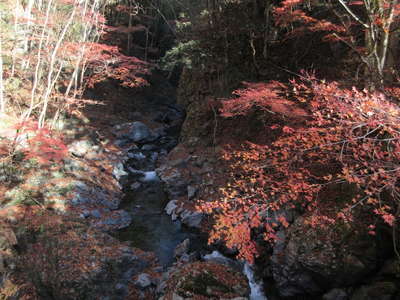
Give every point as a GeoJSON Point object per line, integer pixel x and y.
{"type": "Point", "coordinates": [305, 262]}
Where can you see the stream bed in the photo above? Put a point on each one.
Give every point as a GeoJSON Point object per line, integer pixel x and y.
{"type": "Point", "coordinates": [151, 228]}
{"type": "Point", "coordinates": [147, 141]}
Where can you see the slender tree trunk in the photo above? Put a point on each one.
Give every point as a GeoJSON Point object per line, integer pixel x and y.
{"type": "Point", "coordinates": [38, 63]}
{"type": "Point", "coordinates": [2, 99]}
{"type": "Point", "coordinates": [50, 81]}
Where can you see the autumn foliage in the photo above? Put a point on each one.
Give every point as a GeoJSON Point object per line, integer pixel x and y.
{"type": "Point", "coordinates": [366, 28]}
{"type": "Point", "coordinates": [108, 62]}
{"type": "Point", "coordinates": [43, 144]}
{"type": "Point", "coordinates": [349, 138]}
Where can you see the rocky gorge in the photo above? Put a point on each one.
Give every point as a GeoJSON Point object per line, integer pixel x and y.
{"type": "Point", "coordinates": [120, 219]}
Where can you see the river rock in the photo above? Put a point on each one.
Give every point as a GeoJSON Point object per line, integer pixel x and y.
{"type": "Point", "coordinates": [148, 147]}
{"type": "Point", "coordinates": [175, 183]}
{"type": "Point", "coordinates": [136, 155]}
{"type": "Point", "coordinates": [207, 280]}
{"type": "Point", "coordinates": [149, 176]}
{"type": "Point", "coordinates": [114, 220]}
{"type": "Point", "coordinates": [140, 133]}
{"type": "Point", "coordinates": [218, 258]}
{"type": "Point", "coordinates": [192, 218]}
{"type": "Point", "coordinates": [143, 281]}
{"type": "Point", "coordinates": [119, 172]}
{"type": "Point", "coordinates": [87, 195]}
{"type": "Point", "coordinates": [171, 207]}
{"type": "Point", "coordinates": [191, 192]}
{"type": "Point", "coordinates": [135, 186]}
{"type": "Point", "coordinates": [182, 248]}
{"type": "Point", "coordinates": [311, 260]}
{"type": "Point", "coordinates": [189, 257]}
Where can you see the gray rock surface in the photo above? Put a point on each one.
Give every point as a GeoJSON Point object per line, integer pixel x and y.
{"type": "Point", "coordinates": [192, 218]}
{"type": "Point", "coordinates": [80, 147]}
{"type": "Point", "coordinates": [171, 207]}
{"type": "Point", "coordinates": [143, 281]}
{"type": "Point", "coordinates": [308, 260]}
{"type": "Point", "coordinates": [140, 133]}
{"type": "Point", "coordinates": [191, 191]}
{"type": "Point", "coordinates": [119, 172]}
{"type": "Point", "coordinates": [182, 248]}
{"type": "Point", "coordinates": [114, 220]}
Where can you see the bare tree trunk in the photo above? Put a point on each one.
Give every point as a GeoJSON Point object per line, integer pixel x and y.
{"type": "Point", "coordinates": [50, 81]}
{"type": "Point", "coordinates": [2, 99]}
{"type": "Point", "coordinates": [38, 63]}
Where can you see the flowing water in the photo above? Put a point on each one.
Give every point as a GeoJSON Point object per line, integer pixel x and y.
{"type": "Point", "coordinates": [151, 229]}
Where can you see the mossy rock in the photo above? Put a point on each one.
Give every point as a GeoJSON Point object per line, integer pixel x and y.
{"type": "Point", "coordinates": [207, 280]}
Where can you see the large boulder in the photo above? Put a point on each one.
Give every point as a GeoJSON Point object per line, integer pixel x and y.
{"type": "Point", "coordinates": [206, 280]}
{"type": "Point", "coordinates": [140, 133]}
{"type": "Point", "coordinates": [312, 260]}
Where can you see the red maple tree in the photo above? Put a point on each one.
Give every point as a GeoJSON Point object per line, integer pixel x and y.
{"type": "Point", "coordinates": [350, 138]}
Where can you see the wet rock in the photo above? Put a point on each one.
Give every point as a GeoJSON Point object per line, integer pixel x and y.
{"type": "Point", "coordinates": [175, 184]}
{"type": "Point", "coordinates": [171, 207]}
{"type": "Point", "coordinates": [189, 257]}
{"type": "Point", "coordinates": [149, 147]}
{"type": "Point", "coordinates": [122, 143]}
{"type": "Point", "coordinates": [218, 258]}
{"type": "Point", "coordinates": [86, 195]}
{"type": "Point", "coordinates": [136, 155]}
{"type": "Point", "coordinates": [182, 248]}
{"type": "Point", "coordinates": [119, 172]}
{"type": "Point", "coordinates": [149, 176]}
{"type": "Point", "coordinates": [191, 192]}
{"type": "Point", "coordinates": [154, 156]}
{"type": "Point", "coordinates": [192, 218]}
{"type": "Point", "coordinates": [135, 186]}
{"type": "Point", "coordinates": [115, 220]}
{"type": "Point", "coordinates": [140, 133]}
{"type": "Point", "coordinates": [207, 280]}
{"type": "Point", "coordinates": [85, 213]}
{"type": "Point", "coordinates": [143, 281]}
